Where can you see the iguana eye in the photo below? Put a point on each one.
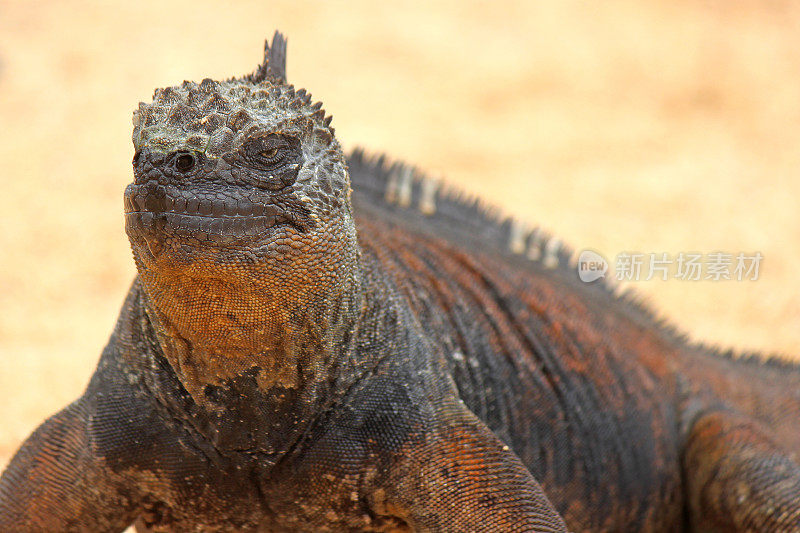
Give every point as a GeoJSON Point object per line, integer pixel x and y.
{"type": "Point", "coordinates": [271, 151]}
{"type": "Point", "coordinates": [270, 161]}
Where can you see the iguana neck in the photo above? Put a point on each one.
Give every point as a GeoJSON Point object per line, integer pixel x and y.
{"type": "Point", "coordinates": [212, 331]}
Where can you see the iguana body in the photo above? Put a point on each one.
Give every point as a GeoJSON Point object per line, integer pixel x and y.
{"type": "Point", "coordinates": [294, 358]}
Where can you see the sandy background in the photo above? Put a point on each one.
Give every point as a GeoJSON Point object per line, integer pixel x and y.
{"type": "Point", "coordinates": [619, 125]}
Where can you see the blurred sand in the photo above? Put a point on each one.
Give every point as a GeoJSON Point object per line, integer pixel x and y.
{"type": "Point", "coordinates": [619, 125]}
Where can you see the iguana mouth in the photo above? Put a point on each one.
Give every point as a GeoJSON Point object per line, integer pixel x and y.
{"type": "Point", "coordinates": [152, 208]}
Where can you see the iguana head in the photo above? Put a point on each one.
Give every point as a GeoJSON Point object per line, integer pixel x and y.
{"type": "Point", "coordinates": [240, 190]}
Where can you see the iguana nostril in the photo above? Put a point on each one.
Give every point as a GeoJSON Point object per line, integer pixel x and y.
{"type": "Point", "coordinates": [184, 162]}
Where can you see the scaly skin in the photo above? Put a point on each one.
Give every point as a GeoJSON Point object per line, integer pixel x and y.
{"type": "Point", "coordinates": [292, 357]}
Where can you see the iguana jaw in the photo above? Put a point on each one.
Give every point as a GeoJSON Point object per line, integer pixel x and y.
{"type": "Point", "coordinates": [164, 216]}
{"type": "Point", "coordinates": [234, 276]}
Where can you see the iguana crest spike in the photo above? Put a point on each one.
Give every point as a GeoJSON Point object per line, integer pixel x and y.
{"type": "Point", "coordinates": [274, 63]}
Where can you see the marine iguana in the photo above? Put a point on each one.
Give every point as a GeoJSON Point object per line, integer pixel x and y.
{"type": "Point", "coordinates": [297, 356]}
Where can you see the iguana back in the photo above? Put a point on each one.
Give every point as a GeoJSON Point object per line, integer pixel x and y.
{"type": "Point", "coordinates": [589, 388]}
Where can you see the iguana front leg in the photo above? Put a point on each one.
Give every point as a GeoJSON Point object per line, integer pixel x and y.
{"type": "Point", "coordinates": [55, 483]}
{"type": "Point", "coordinates": [461, 477]}
{"type": "Point", "coordinates": [738, 478]}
